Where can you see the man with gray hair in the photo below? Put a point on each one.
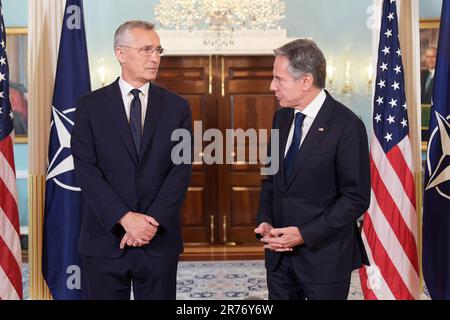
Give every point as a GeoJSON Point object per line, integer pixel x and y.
{"type": "Point", "coordinates": [131, 190]}
{"type": "Point", "coordinates": [427, 75]}
{"type": "Point", "coordinates": [308, 210]}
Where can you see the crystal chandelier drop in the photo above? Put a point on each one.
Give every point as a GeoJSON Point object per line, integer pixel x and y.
{"type": "Point", "coordinates": [220, 18]}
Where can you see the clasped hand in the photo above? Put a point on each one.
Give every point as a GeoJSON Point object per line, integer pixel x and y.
{"type": "Point", "coordinates": [140, 229]}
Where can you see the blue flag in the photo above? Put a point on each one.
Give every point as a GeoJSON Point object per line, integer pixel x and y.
{"type": "Point", "coordinates": [436, 205]}
{"type": "Point", "coordinates": [61, 263]}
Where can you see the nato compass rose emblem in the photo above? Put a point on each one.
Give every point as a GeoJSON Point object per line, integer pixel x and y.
{"type": "Point", "coordinates": [61, 167]}
{"type": "Point", "coordinates": [439, 173]}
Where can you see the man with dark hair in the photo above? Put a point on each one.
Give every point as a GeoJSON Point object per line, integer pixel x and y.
{"type": "Point", "coordinates": [132, 191]}
{"type": "Point", "coordinates": [308, 210]}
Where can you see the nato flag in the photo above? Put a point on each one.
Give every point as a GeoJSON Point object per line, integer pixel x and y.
{"type": "Point", "coordinates": [436, 207]}
{"type": "Point", "coordinates": [61, 263]}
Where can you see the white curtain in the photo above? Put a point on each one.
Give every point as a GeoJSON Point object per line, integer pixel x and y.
{"type": "Point", "coordinates": [44, 28]}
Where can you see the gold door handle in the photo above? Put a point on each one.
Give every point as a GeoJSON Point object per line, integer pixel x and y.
{"type": "Point", "coordinates": [212, 228]}
{"type": "Point", "coordinates": [225, 227]}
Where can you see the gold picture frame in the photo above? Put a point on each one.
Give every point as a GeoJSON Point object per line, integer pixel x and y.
{"type": "Point", "coordinates": [16, 45]}
{"type": "Point", "coordinates": [429, 35]}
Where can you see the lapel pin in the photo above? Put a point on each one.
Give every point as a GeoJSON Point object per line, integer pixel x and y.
{"type": "Point", "coordinates": [321, 129]}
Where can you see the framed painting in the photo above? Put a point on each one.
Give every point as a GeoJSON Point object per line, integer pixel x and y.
{"type": "Point", "coordinates": [429, 36]}
{"type": "Point", "coordinates": [16, 45]}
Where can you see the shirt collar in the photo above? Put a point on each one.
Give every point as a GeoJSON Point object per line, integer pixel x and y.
{"type": "Point", "coordinates": [125, 87]}
{"type": "Point", "coordinates": [312, 109]}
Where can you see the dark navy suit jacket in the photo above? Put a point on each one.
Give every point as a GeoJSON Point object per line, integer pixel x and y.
{"type": "Point", "coordinates": [114, 179]}
{"type": "Point", "coordinates": [326, 193]}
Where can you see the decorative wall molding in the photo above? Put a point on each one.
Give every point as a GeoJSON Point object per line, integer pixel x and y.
{"type": "Point", "coordinates": [22, 174]}
{"type": "Point", "coordinates": [24, 230]}
{"type": "Point", "coordinates": [248, 42]}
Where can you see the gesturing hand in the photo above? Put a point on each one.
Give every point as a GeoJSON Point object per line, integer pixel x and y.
{"type": "Point", "coordinates": [264, 229]}
{"type": "Point", "coordinates": [283, 239]}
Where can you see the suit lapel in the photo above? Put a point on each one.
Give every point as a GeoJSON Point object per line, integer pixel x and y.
{"type": "Point", "coordinates": [155, 105]}
{"type": "Point", "coordinates": [316, 133]}
{"type": "Point", "coordinates": [116, 110]}
{"type": "Point", "coordinates": [285, 126]}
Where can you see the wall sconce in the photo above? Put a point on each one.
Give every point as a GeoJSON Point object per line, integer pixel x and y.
{"type": "Point", "coordinates": [101, 71]}
{"type": "Point", "coordinates": [369, 70]}
{"type": "Point", "coordinates": [347, 86]}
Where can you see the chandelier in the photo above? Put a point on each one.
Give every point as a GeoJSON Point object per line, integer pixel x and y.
{"type": "Point", "coordinates": [219, 18]}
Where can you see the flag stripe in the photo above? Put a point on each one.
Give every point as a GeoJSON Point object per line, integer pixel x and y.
{"type": "Point", "coordinates": [405, 148]}
{"type": "Point", "coordinates": [6, 145]}
{"type": "Point", "coordinates": [7, 290]}
{"type": "Point", "coordinates": [405, 176]}
{"type": "Point", "coordinates": [11, 238]}
{"type": "Point", "coordinates": [384, 290]}
{"type": "Point", "coordinates": [9, 206]}
{"type": "Point", "coordinates": [394, 187]}
{"type": "Point", "coordinates": [8, 175]}
{"type": "Point", "coordinates": [393, 217]}
{"type": "Point", "coordinates": [399, 257]}
{"type": "Point", "coordinates": [9, 265]}
{"type": "Point", "coordinates": [381, 258]}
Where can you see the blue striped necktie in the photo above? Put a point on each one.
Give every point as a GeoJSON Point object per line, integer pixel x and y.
{"type": "Point", "coordinates": [136, 119]}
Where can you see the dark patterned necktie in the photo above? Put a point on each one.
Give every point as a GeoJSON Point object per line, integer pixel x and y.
{"type": "Point", "coordinates": [295, 145]}
{"type": "Point", "coordinates": [136, 119]}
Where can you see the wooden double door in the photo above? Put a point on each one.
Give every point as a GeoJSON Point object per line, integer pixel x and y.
{"type": "Point", "coordinates": [224, 92]}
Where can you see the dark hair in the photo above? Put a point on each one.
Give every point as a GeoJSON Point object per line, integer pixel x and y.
{"type": "Point", "coordinates": [305, 57]}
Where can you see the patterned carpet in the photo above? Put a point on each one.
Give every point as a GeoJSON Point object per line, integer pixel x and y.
{"type": "Point", "coordinates": [223, 280]}
{"type": "Point", "coordinates": [232, 280]}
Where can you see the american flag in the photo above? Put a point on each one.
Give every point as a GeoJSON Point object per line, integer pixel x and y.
{"type": "Point", "coordinates": [10, 251]}
{"type": "Point", "coordinates": [390, 224]}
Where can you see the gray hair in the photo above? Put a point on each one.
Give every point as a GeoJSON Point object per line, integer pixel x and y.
{"type": "Point", "coordinates": [124, 29]}
{"type": "Point", "coordinates": [305, 57]}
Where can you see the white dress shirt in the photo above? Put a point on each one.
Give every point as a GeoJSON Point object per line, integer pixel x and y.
{"type": "Point", "coordinates": [310, 113]}
{"type": "Point", "coordinates": [127, 97]}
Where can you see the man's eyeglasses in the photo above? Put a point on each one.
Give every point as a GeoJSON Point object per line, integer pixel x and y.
{"type": "Point", "coordinates": [148, 51]}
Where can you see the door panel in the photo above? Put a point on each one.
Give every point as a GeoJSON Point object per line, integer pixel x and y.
{"type": "Point", "coordinates": [190, 78]}
{"type": "Point", "coordinates": [247, 103]}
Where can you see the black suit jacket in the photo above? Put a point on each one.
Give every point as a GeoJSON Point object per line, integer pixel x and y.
{"type": "Point", "coordinates": [326, 193]}
{"type": "Point", "coordinates": [115, 180]}
{"type": "Point", "coordinates": [426, 93]}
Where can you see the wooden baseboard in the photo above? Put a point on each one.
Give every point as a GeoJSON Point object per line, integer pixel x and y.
{"type": "Point", "coordinates": [221, 252]}
{"type": "Point", "coordinates": [193, 252]}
